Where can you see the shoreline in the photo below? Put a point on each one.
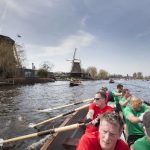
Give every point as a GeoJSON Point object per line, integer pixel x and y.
{"type": "Point", "coordinates": [24, 81]}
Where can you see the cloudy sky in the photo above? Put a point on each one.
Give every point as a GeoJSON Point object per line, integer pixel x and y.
{"type": "Point", "coordinates": [109, 34]}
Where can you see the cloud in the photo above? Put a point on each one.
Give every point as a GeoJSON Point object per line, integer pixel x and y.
{"type": "Point", "coordinates": [81, 39]}
{"type": "Point", "coordinates": [25, 8]}
{"type": "Point", "coordinates": [14, 6]}
{"type": "Point", "coordinates": [143, 34]}
{"type": "Point", "coordinates": [2, 17]}
{"type": "Point", "coordinates": [37, 52]}
{"type": "Point", "coordinates": [83, 21]}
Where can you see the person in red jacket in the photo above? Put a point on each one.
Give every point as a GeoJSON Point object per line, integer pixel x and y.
{"type": "Point", "coordinates": [108, 136]}
{"type": "Point", "coordinates": [96, 109]}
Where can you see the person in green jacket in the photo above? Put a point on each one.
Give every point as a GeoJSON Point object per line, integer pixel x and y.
{"type": "Point", "coordinates": [144, 143]}
{"type": "Point", "coordinates": [117, 94]}
{"type": "Point", "coordinates": [125, 99]}
{"type": "Point", "coordinates": [133, 116]}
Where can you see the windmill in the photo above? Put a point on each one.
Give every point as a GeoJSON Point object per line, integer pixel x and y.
{"type": "Point", "coordinates": [9, 59]}
{"type": "Point", "coordinates": [76, 66]}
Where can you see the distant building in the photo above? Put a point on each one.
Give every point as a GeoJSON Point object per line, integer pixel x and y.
{"type": "Point", "coordinates": [24, 72]}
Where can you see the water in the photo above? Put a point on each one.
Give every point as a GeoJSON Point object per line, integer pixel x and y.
{"type": "Point", "coordinates": [19, 104]}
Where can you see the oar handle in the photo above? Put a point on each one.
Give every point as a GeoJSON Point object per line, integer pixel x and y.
{"type": "Point", "coordinates": [41, 133]}
{"type": "Point", "coordinates": [82, 107]}
{"type": "Point", "coordinates": [87, 100]}
{"type": "Point", "coordinates": [50, 109]}
{"type": "Point", "coordinates": [48, 120]}
{"type": "Point", "coordinates": [28, 136]}
{"type": "Point", "coordinates": [77, 103]}
{"type": "Point", "coordinates": [59, 116]}
{"type": "Point", "coordinates": [70, 127]}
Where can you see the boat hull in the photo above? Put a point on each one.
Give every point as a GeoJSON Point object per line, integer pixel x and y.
{"type": "Point", "coordinates": [111, 81]}
{"type": "Point", "coordinates": [75, 83]}
{"type": "Point", "coordinates": [69, 139]}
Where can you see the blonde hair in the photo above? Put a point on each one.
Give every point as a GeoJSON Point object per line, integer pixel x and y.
{"type": "Point", "coordinates": [112, 118]}
{"type": "Point", "coordinates": [135, 102]}
{"type": "Point", "coordinates": [134, 98]}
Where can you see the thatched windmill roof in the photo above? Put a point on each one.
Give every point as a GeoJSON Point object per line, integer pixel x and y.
{"type": "Point", "coordinates": [6, 39]}
{"type": "Point", "coordinates": [8, 55]}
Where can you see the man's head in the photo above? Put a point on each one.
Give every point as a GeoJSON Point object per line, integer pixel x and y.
{"type": "Point", "coordinates": [104, 88]}
{"type": "Point", "coordinates": [146, 122]}
{"type": "Point", "coordinates": [100, 99]}
{"type": "Point", "coordinates": [120, 87]}
{"type": "Point", "coordinates": [126, 93]}
{"type": "Point", "coordinates": [136, 103]}
{"type": "Point", "coordinates": [110, 129]}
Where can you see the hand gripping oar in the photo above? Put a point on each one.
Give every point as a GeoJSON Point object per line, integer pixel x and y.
{"type": "Point", "coordinates": [32, 125]}
{"type": "Point", "coordinates": [59, 107]}
{"type": "Point", "coordinates": [41, 133]}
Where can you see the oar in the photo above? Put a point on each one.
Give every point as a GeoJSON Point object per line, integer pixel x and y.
{"type": "Point", "coordinates": [59, 107]}
{"type": "Point", "coordinates": [32, 125]}
{"type": "Point", "coordinates": [41, 133]}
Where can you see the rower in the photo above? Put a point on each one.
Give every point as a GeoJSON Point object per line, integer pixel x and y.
{"type": "Point", "coordinates": [109, 96]}
{"type": "Point", "coordinates": [134, 115]}
{"type": "Point", "coordinates": [108, 136]}
{"type": "Point", "coordinates": [107, 93]}
{"type": "Point", "coordinates": [144, 143]}
{"type": "Point", "coordinates": [96, 109]}
{"type": "Point", "coordinates": [117, 94]}
{"type": "Point", "coordinates": [124, 101]}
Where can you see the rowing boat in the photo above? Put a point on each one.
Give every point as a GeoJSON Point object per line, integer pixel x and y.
{"type": "Point", "coordinates": [111, 81]}
{"type": "Point", "coordinates": [69, 139]}
{"type": "Point", "coordinates": [65, 137]}
{"type": "Point", "coordinates": [75, 82]}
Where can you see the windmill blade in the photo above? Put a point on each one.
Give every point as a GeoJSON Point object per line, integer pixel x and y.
{"type": "Point", "coordinates": [74, 54]}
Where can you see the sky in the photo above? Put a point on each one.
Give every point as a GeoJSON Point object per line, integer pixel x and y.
{"type": "Point", "coordinates": [113, 35]}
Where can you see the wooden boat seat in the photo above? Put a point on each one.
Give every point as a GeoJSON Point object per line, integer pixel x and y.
{"type": "Point", "coordinates": [71, 143]}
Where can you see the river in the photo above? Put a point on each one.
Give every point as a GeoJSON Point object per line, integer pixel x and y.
{"type": "Point", "coordinates": [19, 104]}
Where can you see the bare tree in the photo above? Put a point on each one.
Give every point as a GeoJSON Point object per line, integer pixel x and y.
{"type": "Point", "coordinates": [48, 66]}
{"type": "Point", "coordinates": [103, 74]}
{"type": "Point", "coordinates": [20, 54]}
{"type": "Point", "coordinates": [139, 75]}
{"type": "Point", "coordinates": [92, 71]}
{"type": "Point", "coordinates": [44, 69]}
